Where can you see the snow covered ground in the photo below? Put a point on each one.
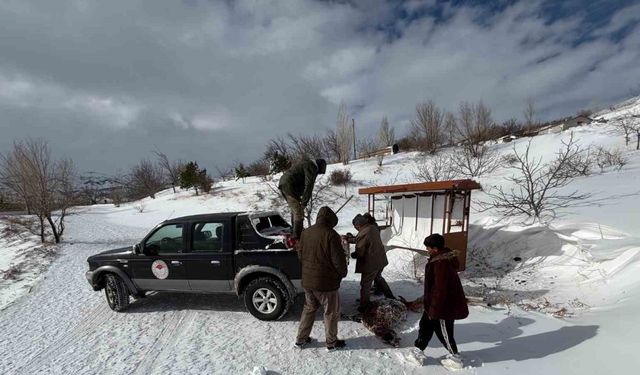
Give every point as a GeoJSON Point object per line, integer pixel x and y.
{"type": "Point", "coordinates": [584, 267]}
{"type": "Point", "coordinates": [23, 258]}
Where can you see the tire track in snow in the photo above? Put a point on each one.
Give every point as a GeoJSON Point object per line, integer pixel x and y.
{"type": "Point", "coordinates": [164, 341]}
{"type": "Point", "coordinates": [98, 316]}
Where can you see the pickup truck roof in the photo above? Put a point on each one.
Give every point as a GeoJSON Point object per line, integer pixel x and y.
{"type": "Point", "coordinates": [215, 216]}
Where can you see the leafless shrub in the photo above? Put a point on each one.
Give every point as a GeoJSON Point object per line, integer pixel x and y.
{"type": "Point", "coordinates": [311, 146]}
{"type": "Point", "coordinates": [259, 168]}
{"type": "Point", "coordinates": [436, 168]}
{"type": "Point", "coordinates": [340, 177]}
{"type": "Point", "coordinates": [578, 163]}
{"type": "Point", "coordinates": [12, 272]}
{"type": "Point", "coordinates": [509, 159]}
{"type": "Point", "coordinates": [171, 169]}
{"type": "Point", "coordinates": [475, 161]}
{"type": "Point", "coordinates": [380, 160]}
{"type": "Point", "coordinates": [140, 207]}
{"type": "Point", "coordinates": [145, 180]}
{"type": "Point", "coordinates": [610, 158]}
{"type": "Point", "coordinates": [206, 182]}
{"type": "Point", "coordinates": [427, 128]}
{"type": "Point", "coordinates": [537, 187]}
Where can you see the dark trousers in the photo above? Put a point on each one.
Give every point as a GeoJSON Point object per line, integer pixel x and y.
{"type": "Point", "coordinates": [443, 330]}
{"type": "Point", "coordinates": [365, 286]}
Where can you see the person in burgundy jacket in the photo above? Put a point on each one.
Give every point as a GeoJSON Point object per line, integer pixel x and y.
{"type": "Point", "coordinates": [444, 299]}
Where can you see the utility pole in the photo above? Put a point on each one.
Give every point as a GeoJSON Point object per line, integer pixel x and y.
{"type": "Point", "coordinates": [353, 129]}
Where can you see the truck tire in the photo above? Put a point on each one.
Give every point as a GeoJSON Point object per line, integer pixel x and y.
{"type": "Point", "coordinates": [116, 292]}
{"type": "Point", "coordinates": [266, 298]}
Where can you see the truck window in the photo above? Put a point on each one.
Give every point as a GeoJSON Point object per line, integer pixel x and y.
{"type": "Point", "coordinates": [167, 239]}
{"type": "Point", "coordinates": [207, 237]}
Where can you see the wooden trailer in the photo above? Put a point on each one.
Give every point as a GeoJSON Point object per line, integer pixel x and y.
{"type": "Point", "coordinates": [410, 212]}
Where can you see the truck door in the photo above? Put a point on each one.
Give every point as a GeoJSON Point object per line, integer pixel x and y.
{"type": "Point", "coordinates": [209, 262]}
{"type": "Point", "coordinates": [161, 264]}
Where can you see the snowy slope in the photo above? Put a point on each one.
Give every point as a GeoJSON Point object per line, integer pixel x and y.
{"type": "Point", "coordinates": [584, 267]}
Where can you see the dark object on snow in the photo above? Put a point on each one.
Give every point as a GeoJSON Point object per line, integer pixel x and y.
{"type": "Point", "coordinates": [517, 259]}
{"type": "Point", "coordinates": [225, 253]}
{"type": "Point", "coordinates": [382, 316]}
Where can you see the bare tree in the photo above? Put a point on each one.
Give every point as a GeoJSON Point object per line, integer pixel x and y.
{"type": "Point", "coordinates": [450, 128]}
{"type": "Point", "coordinates": [627, 125]}
{"type": "Point", "coordinates": [311, 146]}
{"type": "Point", "coordinates": [386, 134]}
{"type": "Point", "coordinates": [321, 196]}
{"type": "Point", "coordinates": [438, 167]}
{"type": "Point", "coordinates": [427, 128]}
{"type": "Point", "coordinates": [344, 134]}
{"type": "Point", "coordinates": [145, 179]}
{"type": "Point", "coordinates": [511, 126]}
{"type": "Point", "coordinates": [171, 169]}
{"type": "Point", "coordinates": [224, 173]}
{"type": "Point", "coordinates": [529, 114]}
{"type": "Point", "coordinates": [46, 185]}
{"type": "Point", "coordinates": [537, 191]}
{"type": "Point", "coordinates": [475, 126]}
{"type": "Point", "coordinates": [277, 146]}
{"type": "Point", "coordinates": [610, 158]}
{"type": "Point", "coordinates": [475, 161]}
{"type": "Point", "coordinates": [331, 146]}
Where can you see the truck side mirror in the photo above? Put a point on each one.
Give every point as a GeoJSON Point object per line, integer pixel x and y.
{"type": "Point", "coordinates": [136, 248]}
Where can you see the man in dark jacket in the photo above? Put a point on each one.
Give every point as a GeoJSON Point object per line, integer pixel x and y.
{"type": "Point", "coordinates": [296, 185]}
{"type": "Point", "coordinates": [444, 300]}
{"type": "Point", "coordinates": [323, 268]}
{"type": "Point", "coordinates": [371, 258]}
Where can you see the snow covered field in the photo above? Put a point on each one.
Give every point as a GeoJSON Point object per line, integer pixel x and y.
{"type": "Point", "coordinates": [584, 267]}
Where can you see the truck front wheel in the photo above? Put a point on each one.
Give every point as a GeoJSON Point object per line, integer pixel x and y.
{"type": "Point", "coordinates": [116, 292]}
{"type": "Point", "coordinates": [266, 298]}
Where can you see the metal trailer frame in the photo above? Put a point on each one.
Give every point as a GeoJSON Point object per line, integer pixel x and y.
{"type": "Point", "coordinates": [452, 191]}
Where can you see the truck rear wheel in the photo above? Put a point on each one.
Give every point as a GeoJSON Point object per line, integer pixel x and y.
{"type": "Point", "coordinates": [266, 298]}
{"type": "Point", "coordinates": [116, 292]}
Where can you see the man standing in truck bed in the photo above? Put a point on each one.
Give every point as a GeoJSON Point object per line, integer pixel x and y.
{"type": "Point", "coordinates": [296, 185]}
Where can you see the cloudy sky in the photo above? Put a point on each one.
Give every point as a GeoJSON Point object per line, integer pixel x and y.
{"type": "Point", "coordinates": [105, 82]}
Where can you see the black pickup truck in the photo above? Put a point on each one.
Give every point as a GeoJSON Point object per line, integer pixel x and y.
{"type": "Point", "coordinates": [247, 254]}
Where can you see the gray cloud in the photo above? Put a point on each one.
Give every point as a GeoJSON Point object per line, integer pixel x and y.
{"type": "Point", "coordinates": [107, 82]}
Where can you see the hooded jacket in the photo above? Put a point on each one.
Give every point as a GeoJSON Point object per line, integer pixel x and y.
{"type": "Point", "coordinates": [321, 254]}
{"type": "Point", "coordinates": [443, 294]}
{"type": "Point", "coordinates": [370, 252]}
{"type": "Point", "coordinates": [298, 180]}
